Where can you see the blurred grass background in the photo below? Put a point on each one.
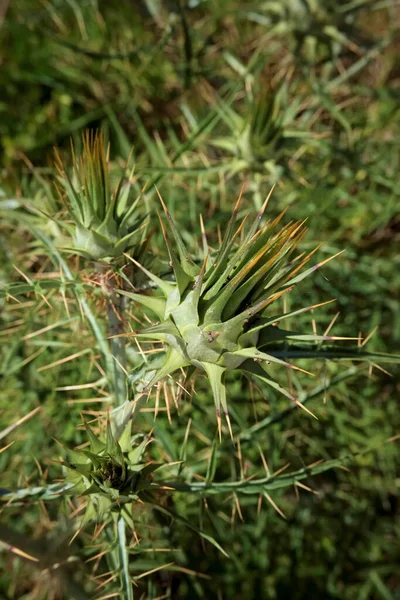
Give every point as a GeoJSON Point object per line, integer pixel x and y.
{"type": "Point", "coordinates": [303, 94]}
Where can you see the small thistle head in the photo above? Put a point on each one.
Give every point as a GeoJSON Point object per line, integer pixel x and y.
{"type": "Point", "coordinates": [258, 140]}
{"type": "Point", "coordinates": [106, 222]}
{"type": "Point", "coordinates": [111, 473]}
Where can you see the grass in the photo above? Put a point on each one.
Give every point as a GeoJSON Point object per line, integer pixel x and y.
{"type": "Point", "coordinates": [210, 96]}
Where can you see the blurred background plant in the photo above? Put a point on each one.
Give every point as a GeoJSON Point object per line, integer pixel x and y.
{"type": "Point", "coordinates": [209, 95]}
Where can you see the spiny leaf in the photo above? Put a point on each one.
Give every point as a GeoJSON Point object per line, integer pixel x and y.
{"type": "Point", "coordinates": [186, 262]}
{"type": "Point", "coordinates": [157, 305]}
{"type": "Point", "coordinates": [259, 356]}
{"type": "Point", "coordinates": [173, 362]}
{"type": "Point", "coordinates": [260, 372]}
{"type": "Point", "coordinates": [165, 287]}
{"type": "Point", "coordinates": [215, 375]}
{"type": "Point", "coordinates": [306, 273]}
{"type": "Point", "coordinates": [182, 278]}
{"type": "Point", "coordinates": [96, 445]}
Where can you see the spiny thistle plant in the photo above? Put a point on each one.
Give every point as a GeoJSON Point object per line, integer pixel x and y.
{"type": "Point", "coordinates": [106, 222]}
{"type": "Point", "coordinates": [258, 140]}
{"type": "Point", "coordinates": [217, 317]}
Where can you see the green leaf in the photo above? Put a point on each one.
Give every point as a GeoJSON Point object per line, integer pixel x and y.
{"type": "Point", "coordinates": [173, 361]}
{"type": "Point", "coordinates": [121, 416]}
{"type": "Point", "coordinates": [256, 355]}
{"type": "Point", "coordinates": [110, 440]}
{"type": "Point", "coordinates": [216, 375]}
{"type": "Point", "coordinates": [181, 277]}
{"type": "Point", "coordinates": [96, 445]}
{"type": "Point", "coordinates": [188, 266]}
{"type": "Point", "coordinates": [165, 287]}
{"type": "Point", "coordinates": [255, 369]}
{"type": "Point", "coordinates": [135, 455]}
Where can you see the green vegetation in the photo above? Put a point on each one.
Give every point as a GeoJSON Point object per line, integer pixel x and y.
{"type": "Point", "coordinates": [159, 338]}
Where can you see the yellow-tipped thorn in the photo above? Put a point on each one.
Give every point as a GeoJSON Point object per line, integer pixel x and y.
{"type": "Point", "coordinates": [336, 337]}
{"type": "Point", "coordinates": [279, 217]}
{"type": "Point", "coordinates": [5, 447]}
{"type": "Point", "coordinates": [275, 506]}
{"type": "Point", "coordinates": [19, 422]}
{"type": "Point", "coordinates": [297, 227]}
{"type": "Point", "coordinates": [20, 552]}
{"type": "Point", "coordinates": [203, 236]}
{"type": "Point", "coordinates": [382, 369]}
{"type": "Point", "coordinates": [219, 424]}
{"type": "Point", "coordinates": [264, 206]}
{"type": "Point", "coordinates": [369, 336]}
{"type": "Point", "coordinates": [77, 532]}
{"type": "Point", "coordinates": [331, 324]}
{"type": "Point", "coordinates": [259, 504]}
{"type": "Point", "coordinates": [300, 405]}
{"type": "Point", "coordinates": [317, 266]}
{"type": "Point", "coordinates": [238, 201]}
{"type": "Point", "coordinates": [239, 508]}
{"type": "Point", "coordinates": [229, 425]}
{"type": "Point", "coordinates": [22, 274]}
{"type": "Point", "coordinates": [165, 209]}
{"type": "Point", "coordinates": [300, 369]}
{"type": "Point", "coordinates": [264, 461]}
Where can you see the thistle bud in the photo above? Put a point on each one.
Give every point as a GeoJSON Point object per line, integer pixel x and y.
{"type": "Point", "coordinates": [106, 222]}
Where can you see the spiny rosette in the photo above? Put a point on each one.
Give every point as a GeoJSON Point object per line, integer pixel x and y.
{"type": "Point", "coordinates": [111, 473]}
{"type": "Point", "coordinates": [106, 222]}
{"type": "Point", "coordinates": [217, 317]}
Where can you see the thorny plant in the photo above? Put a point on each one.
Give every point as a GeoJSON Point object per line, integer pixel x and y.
{"type": "Point", "coordinates": [218, 312]}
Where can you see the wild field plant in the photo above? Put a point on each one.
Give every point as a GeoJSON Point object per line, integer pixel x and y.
{"type": "Point", "coordinates": [150, 426]}
{"type": "Point", "coordinates": [220, 315]}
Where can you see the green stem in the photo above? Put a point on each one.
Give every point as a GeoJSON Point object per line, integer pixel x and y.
{"type": "Point", "coordinates": [334, 354]}
{"type": "Point", "coordinates": [244, 486]}
{"type": "Point", "coordinates": [118, 349]}
{"type": "Point", "coordinates": [254, 486]}
{"type": "Point", "coordinates": [59, 262]}
{"type": "Point", "coordinates": [115, 308]}
{"type": "Point", "coordinates": [115, 328]}
{"type": "Point", "coordinates": [118, 357]}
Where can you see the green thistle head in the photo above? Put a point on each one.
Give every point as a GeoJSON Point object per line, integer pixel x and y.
{"type": "Point", "coordinates": [106, 221]}
{"type": "Point", "coordinates": [260, 140]}
{"type": "Point", "coordinates": [217, 317]}
{"type": "Point", "coordinates": [111, 473]}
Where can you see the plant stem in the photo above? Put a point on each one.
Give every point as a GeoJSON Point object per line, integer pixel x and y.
{"type": "Point", "coordinates": [245, 486]}
{"type": "Point", "coordinates": [115, 308]}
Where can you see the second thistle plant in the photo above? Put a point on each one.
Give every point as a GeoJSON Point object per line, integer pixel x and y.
{"type": "Point", "coordinates": [106, 222]}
